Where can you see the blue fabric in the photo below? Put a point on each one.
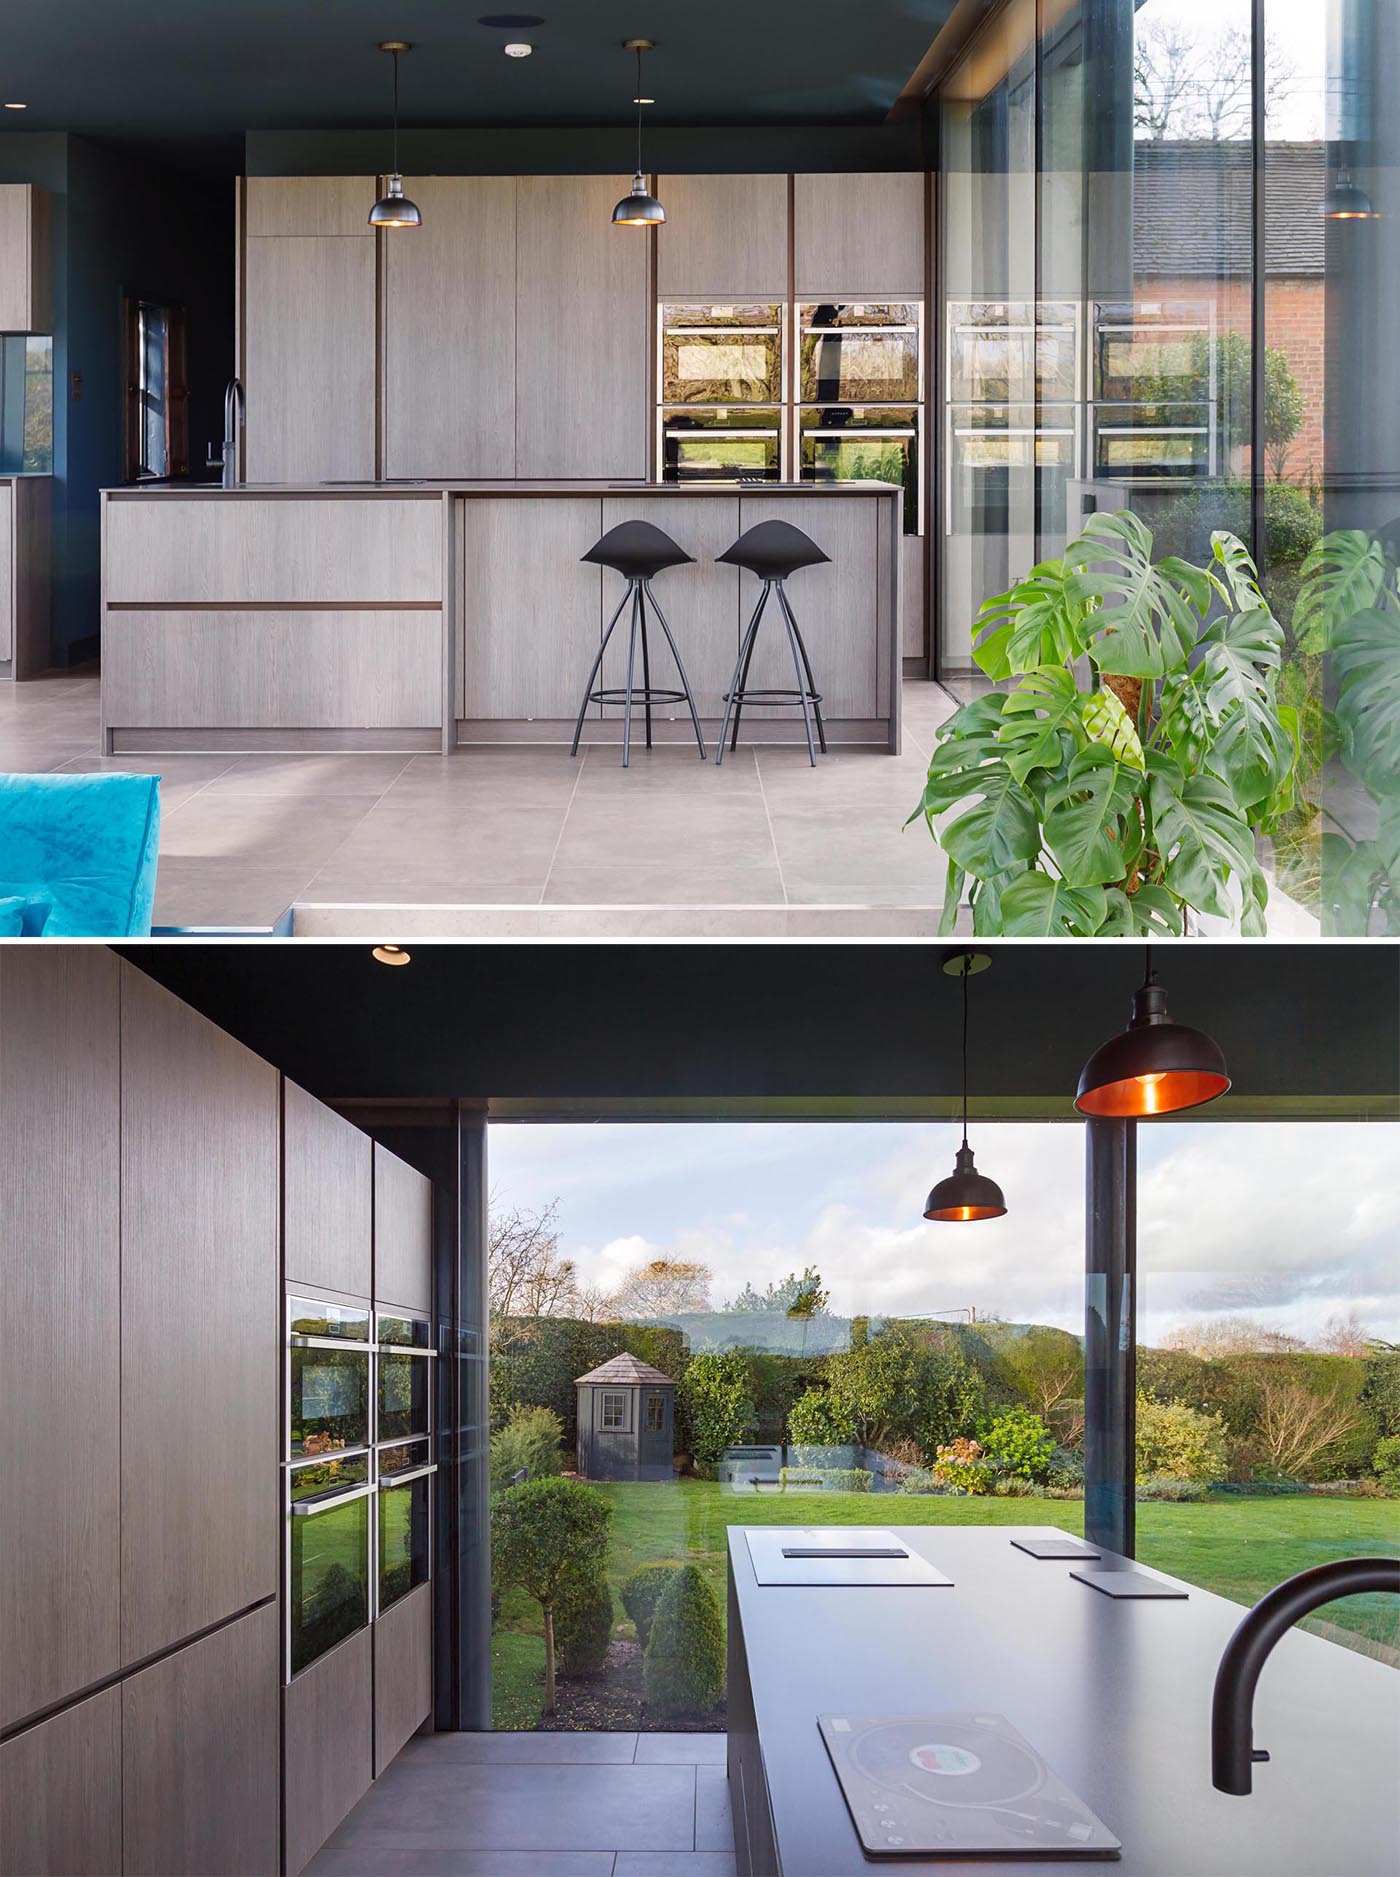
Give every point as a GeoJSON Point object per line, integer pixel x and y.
{"type": "Point", "coordinates": [88, 845]}
{"type": "Point", "coordinates": [21, 917]}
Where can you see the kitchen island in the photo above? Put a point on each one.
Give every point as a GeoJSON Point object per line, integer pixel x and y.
{"type": "Point", "coordinates": [1114, 1695]}
{"type": "Point", "coordinates": [425, 615]}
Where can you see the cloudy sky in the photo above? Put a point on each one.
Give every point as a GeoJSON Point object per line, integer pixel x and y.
{"type": "Point", "coordinates": [1289, 1222]}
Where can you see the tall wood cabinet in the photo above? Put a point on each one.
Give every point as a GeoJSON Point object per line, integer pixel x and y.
{"type": "Point", "coordinates": [61, 1793]}
{"type": "Point", "coordinates": [309, 328]}
{"type": "Point", "coordinates": [326, 1198]}
{"type": "Point", "coordinates": [725, 236]}
{"type": "Point", "coordinates": [403, 1234]}
{"type": "Point", "coordinates": [60, 1471]}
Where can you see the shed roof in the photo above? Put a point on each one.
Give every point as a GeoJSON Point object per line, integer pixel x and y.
{"type": "Point", "coordinates": [625, 1371]}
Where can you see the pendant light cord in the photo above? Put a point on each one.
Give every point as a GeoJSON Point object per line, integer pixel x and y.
{"type": "Point", "coordinates": [396, 113]}
{"type": "Point", "coordinates": [639, 110]}
{"type": "Point", "coordinates": [1149, 975]}
{"type": "Point", "coordinates": [967, 960]}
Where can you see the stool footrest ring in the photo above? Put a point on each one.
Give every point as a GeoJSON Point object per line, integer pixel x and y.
{"type": "Point", "coordinates": [772, 697]}
{"type": "Point", "coordinates": [618, 695]}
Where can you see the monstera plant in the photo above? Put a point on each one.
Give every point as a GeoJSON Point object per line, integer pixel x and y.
{"type": "Point", "coordinates": [1117, 784]}
{"type": "Point", "coordinates": [1349, 608]}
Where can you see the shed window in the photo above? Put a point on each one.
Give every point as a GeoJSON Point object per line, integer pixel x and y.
{"type": "Point", "coordinates": [656, 1413]}
{"type": "Point", "coordinates": [614, 1410]}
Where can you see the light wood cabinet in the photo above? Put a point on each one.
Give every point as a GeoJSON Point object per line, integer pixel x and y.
{"type": "Point", "coordinates": [200, 1772]}
{"type": "Point", "coordinates": [582, 314]}
{"type": "Point", "coordinates": [530, 610]}
{"type": "Point", "coordinates": [61, 1793]}
{"type": "Point", "coordinates": [403, 1673]}
{"type": "Point", "coordinates": [857, 236]}
{"type": "Point", "coordinates": [825, 601]}
{"type": "Point", "coordinates": [403, 1234]}
{"type": "Point", "coordinates": [7, 572]}
{"type": "Point", "coordinates": [309, 329]}
{"type": "Point", "coordinates": [449, 331]}
{"type": "Point", "coordinates": [328, 1746]}
{"type": "Point", "coordinates": [25, 541]}
{"type": "Point", "coordinates": [200, 1324]}
{"type": "Point", "coordinates": [325, 1197]}
{"type": "Point", "coordinates": [726, 237]}
{"type": "Point", "coordinates": [26, 259]}
{"type": "Point", "coordinates": [60, 1346]}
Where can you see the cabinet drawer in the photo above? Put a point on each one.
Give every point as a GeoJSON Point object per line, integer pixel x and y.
{"type": "Point", "coordinates": [273, 670]}
{"type": "Point", "coordinates": [249, 550]}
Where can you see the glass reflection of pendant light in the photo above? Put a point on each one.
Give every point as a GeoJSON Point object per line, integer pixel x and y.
{"type": "Point", "coordinates": [639, 208]}
{"type": "Point", "coordinates": [393, 209]}
{"type": "Point", "coordinates": [1345, 201]}
{"type": "Point", "coordinates": [966, 1194]}
{"type": "Point", "coordinates": [1155, 1066]}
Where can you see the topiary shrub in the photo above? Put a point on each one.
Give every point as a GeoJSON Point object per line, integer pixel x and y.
{"type": "Point", "coordinates": [1180, 1442]}
{"type": "Point", "coordinates": [684, 1667]}
{"type": "Point", "coordinates": [529, 1443]}
{"type": "Point", "coordinates": [1020, 1444]}
{"type": "Point", "coordinates": [642, 1592]}
{"type": "Point", "coordinates": [547, 1535]}
{"type": "Point", "coordinates": [583, 1621]}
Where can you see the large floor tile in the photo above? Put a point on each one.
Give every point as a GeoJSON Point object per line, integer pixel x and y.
{"type": "Point", "coordinates": [264, 831]}
{"type": "Point", "coordinates": [675, 830]}
{"type": "Point", "coordinates": [496, 917]}
{"type": "Point", "coordinates": [674, 1864]}
{"type": "Point", "coordinates": [714, 1824]}
{"type": "Point", "coordinates": [381, 1863]}
{"type": "Point", "coordinates": [224, 892]}
{"type": "Point", "coordinates": [309, 775]}
{"type": "Point", "coordinates": [661, 883]}
{"type": "Point", "coordinates": [682, 1749]}
{"type": "Point", "coordinates": [525, 1808]}
{"type": "Point", "coordinates": [532, 1749]}
{"type": "Point", "coordinates": [180, 776]}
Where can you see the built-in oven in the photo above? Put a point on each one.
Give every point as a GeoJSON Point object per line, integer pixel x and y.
{"type": "Point", "coordinates": [404, 1521]}
{"type": "Point", "coordinates": [1009, 467]}
{"type": "Point", "coordinates": [720, 392]}
{"type": "Point", "coordinates": [1155, 391]}
{"type": "Point", "coordinates": [328, 1378]}
{"type": "Point", "coordinates": [403, 1408]}
{"type": "Point", "coordinates": [404, 1465]}
{"type": "Point", "coordinates": [860, 380]}
{"type": "Point", "coordinates": [1013, 351]}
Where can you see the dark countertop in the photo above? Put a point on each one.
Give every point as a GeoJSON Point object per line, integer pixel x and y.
{"type": "Point", "coordinates": [432, 486]}
{"type": "Point", "coordinates": [1114, 1695]}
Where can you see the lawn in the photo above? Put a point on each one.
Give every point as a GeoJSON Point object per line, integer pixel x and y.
{"type": "Point", "coordinates": [1236, 1546]}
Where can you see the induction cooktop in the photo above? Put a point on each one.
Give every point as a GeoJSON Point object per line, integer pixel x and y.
{"type": "Point", "coordinates": [835, 1555]}
{"type": "Point", "coordinates": [956, 1785]}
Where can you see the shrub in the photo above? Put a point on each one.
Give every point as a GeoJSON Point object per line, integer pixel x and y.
{"type": "Point", "coordinates": [642, 1592]}
{"type": "Point", "coordinates": [529, 1443]}
{"type": "Point", "coordinates": [1020, 1443]}
{"type": "Point", "coordinates": [546, 1536]}
{"type": "Point", "coordinates": [962, 1466]}
{"type": "Point", "coordinates": [1165, 1486]}
{"type": "Point", "coordinates": [1011, 1486]}
{"type": "Point", "coordinates": [827, 1478]}
{"type": "Point", "coordinates": [1179, 1441]}
{"type": "Point", "coordinates": [821, 1418]}
{"type": "Point", "coordinates": [583, 1625]}
{"type": "Point", "coordinates": [1066, 1468]}
{"type": "Point", "coordinates": [1385, 1459]}
{"type": "Point", "coordinates": [684, 1667]}
{"type": "Point", "coordinates": [719, 1402]}
{"type": "Point", "coordinates": [920, 1480]}
{"type": "Point", "coordinates": [1380, 1389]}
{"type": "Point", "coordinates": [907, 1384]}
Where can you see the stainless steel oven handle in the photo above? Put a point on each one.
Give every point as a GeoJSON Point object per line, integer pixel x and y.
{"type": "Point", "coordinates": [389, 1480]}
{"type": "Point", "coordinates": [331, 1455]}
{"type": "Point", "coordinates": [350, 1343]}
{"type": "Point", "coordinates": [308, 1508]}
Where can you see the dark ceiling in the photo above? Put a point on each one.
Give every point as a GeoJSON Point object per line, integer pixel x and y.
{"type": "Point", "coordinates": [170, 70]}
{"type": "Point", "coordinates": [1306, 1029]}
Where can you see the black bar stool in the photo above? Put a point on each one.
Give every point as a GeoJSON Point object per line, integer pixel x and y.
{"type": "Point", "coordinates": [637, 550]}
{"type": "Point", "coordinates": [773, 550]}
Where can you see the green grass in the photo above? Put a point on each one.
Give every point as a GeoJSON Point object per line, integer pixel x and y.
{"type": "Point", "coordinates": [1238, 1547]}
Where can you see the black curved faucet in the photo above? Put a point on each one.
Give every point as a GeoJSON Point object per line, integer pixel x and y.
{"type": "Point", "coordinates": [1232, 1749]}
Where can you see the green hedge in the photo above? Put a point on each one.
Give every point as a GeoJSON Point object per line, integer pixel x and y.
{"type": "Point", "coordinates": [684, 1667]}
{"type": "Point", "coordinates": [536, 1360]}
{"type": "Point", "coordinates": [583, 1624]}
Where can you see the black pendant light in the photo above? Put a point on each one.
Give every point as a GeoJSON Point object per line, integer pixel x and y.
{"type": "Point", "coordinates": [393, 209]}
{"type": "Point", "coordinates": [639, 208]}
{"type": "Point", "coordinates": [1345, 201]}
{"type": "Point", "coordinates": [1155, 1066]}
{"type": "Point", "coordinates": [966, 1194]}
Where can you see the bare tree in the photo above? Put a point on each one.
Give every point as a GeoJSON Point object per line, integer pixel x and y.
{"type": "Point", "coordinates": [1215, 1337]}
{"type": "Point", "coordinates": [663, 1287]}
{"type": "Point", "coordinates": [1346, 1336]}
{"type": "Point", "coordinates": [1189, 87]}
{"type": "Point", "coordinates": [1297, 1427]}
{"type": "Point", "coordinates": [526, 1275]}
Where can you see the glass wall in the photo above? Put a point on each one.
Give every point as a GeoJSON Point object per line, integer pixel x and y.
{"type": "Point", "coordinates": [26, 404]}
{"type": "Point", "coordinates": [1169, 263]}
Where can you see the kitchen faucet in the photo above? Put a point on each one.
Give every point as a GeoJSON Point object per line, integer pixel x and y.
{"type": "Point", "coordinates": [1232, 1749]}
{"type": "Point", "coordinates": [235, 409]}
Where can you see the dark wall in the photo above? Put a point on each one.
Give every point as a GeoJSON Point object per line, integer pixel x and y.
{"type": "Point", "coordinates": [682, 151]}
{"type": "Point", "coordinates": [121, 225]}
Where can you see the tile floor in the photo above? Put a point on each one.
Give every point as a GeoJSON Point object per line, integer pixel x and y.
{"type": "Point", "coordinates": [542, 1805]}
{"type": "Point", "coordinates": [509, 842]}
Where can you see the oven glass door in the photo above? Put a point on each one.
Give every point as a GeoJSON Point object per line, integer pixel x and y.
{"type": "Point", "coordinates": [406, 1332]}
{"type": "Point", "coordinates": [741, 445]}
{"type": "Point", "coordinates": [404, 1378]}
{"type": "Point", "coordinates": [859, 353]}
{"type": "Point", "coordinates": [336, 1322]}
{"type": "Point", "coordinates": [1012, 351]}
{"type": "Point", "coordinates": [403, 1535]}
{"type": "Point", "coordinates": [845, 443]}
{"type": "Point", "coordinates": [1160, 443]}
{"type": "Point", "coordinates": [328, 1398]}
{"type": "Point", "coordinates": [328, 1574]}
{"type": "Point", "coordinates": [1006, 472]}
{"type": "Point", "coordinates": [721, 354]}
{"type": "Point", "coordinates": [1152, 352]}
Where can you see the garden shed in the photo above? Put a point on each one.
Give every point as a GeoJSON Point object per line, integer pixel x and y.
{"type": "Point", "coordinates": [626, 1420]}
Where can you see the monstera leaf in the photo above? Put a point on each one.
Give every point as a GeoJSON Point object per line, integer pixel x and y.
{"type": "Point", "coordinates": [1148, 617]}
{"type": "Point", "coordinates": [1083, 823]}
{"type": "Point", "coordinates": [1252, 748]}
{"type": "Point", "coordinates": [999, 829]}
{"type": "Point", "coordinates": [1237, 580]}
{"type": "Point", "coordinates": [1043, 620]}
{"type": "Point", "coordinates": [1366, 658]}
{"type": "Point", "coordinates": [1038, 906]}
{"type": "Point", "coordinates": [1106, 721]}
{"type": "Point", "coordinates": [1150, 912]}
{"type": "Point", "coordinates": [1035, 718]}
{"type": "Point", "coordinates": [1342, 575]}
{"type": "Point", "coordinates": [1203, 838]}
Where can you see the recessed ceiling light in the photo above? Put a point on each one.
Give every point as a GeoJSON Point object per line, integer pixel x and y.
{"type": "Point", "coordinates": [391, 955]}
{"type": "Point", "coordinates": [16, 107]}
{"type": "Point", "coordinates": [644, 100]}
{"type": "Point", "coordinates": [517, 49]}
